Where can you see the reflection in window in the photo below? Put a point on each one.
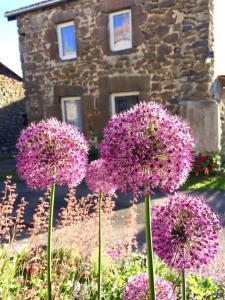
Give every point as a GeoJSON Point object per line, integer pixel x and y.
{"type": "Point", "coordinates": [67, 41]}
{"type": "Point", "coordinates": [123, 101]}
{"type": "Point", "coordinates": [120, 30]}
{"type": "Point", "coordinates": [71, 111]}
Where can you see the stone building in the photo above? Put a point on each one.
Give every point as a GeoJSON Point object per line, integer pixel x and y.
{"type": "Point", "coordinates": [84, 60]}
{"type": "Point", "coordinates": [12, 108]}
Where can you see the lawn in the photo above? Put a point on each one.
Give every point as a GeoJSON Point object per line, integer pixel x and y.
{"type": "Point", "coordinates": [205, 183]}
{"type": "Point", "coordinates": [11, 172]}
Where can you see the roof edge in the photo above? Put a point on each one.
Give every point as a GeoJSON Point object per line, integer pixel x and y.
{"type": "Point", "coordinates": [15, 75]}
{"type": "Point", "coordinates": [13, 14]}
{"type": "Point", "coordinates": [222, 80]}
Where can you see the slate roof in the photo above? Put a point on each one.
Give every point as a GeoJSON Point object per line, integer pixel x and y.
{"type": "Point", "coordinates": [12, 15]}
{"type": "Point", "coordinates": [4, 70]}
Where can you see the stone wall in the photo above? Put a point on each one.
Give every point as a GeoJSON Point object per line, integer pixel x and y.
{"type": "Point", "coordinates": [12, 108]}
{"type": "Point", "coordinates": [171, 41]}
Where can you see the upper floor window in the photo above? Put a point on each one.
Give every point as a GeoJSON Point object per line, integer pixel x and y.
{"type": "Point", "coordinates": [123, 101]}
{"type": "Point", "coordinates": [120, 30]}
{"type": "Point", "coordinates": [67, 41]}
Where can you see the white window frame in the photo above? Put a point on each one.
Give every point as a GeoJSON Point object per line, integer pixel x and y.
{"type": "Point", "coordinates": [60, 42]}
{"type": "Point", "coordinates": [111, 30]}
{"type": "Point", "coordinates": [63, 100]}
{"type": "Point", "coordinates": [124, 94]}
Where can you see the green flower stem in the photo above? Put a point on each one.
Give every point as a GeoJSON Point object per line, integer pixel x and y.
{"type": "Point", "coordinates": [149, 247]}
{"type": "Point", "coordinates": [183, 286]}
{"type": "Point", "coordinates": [49, 251]}
{"type": "Point", "coordinates": [99, 244]}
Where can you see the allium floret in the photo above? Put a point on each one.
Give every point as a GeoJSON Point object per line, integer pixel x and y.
{"type": "Point", "coordinates": [137, 288]}
{"type": "Point", "coordinates": [51, 152]}
{"type": "Point", "coordinates": [185, 232]}
{"type": "Point", "coordinates": [146, 146]}
{"type": "Point", "coordinates": [98, 178]}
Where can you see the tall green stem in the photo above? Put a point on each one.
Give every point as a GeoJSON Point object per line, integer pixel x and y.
{"type": "Point", "coordinates": [49, 251]}
{"type": "Point", "coordinates": [149, 247]}
{"type": "Point", "coordinates": [99, 244]}
{"type": "Point", "coordinates": [183, 286]}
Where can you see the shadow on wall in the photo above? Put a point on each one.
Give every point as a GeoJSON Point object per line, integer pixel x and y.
{"type": "Point", "coordinates": [13, 119]}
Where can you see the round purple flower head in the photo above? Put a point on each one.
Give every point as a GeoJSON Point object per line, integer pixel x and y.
{"type": "Point", "coordinates": [98, 178]}
{"type": "Point", "coordinates": [51, 152]}
{"type": "Point", "coordinates": [185, 232]}
{"type": "Point", "coordinates": [137, 288]}
{"type": "Point", "coordinates": [146, 146]}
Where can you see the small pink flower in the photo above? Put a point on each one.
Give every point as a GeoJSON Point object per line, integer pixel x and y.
{"type": "Point", "coordinates": [137, 288]}
{"type": "Point", "coordinates": [114, 253]}
{"type": "Point", "coordinates": [98, 178]}
{"type": "Point", "coordinates": [51, 152]}
{"type": "Point", "coordinates": [185, 232]}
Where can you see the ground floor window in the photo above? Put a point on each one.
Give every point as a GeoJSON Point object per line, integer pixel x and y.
{"type": "Point", "coordinates": [71, 111]}
{"type": "Point", "coordinates": [123, 101]}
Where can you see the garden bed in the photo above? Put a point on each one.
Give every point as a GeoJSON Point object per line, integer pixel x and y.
{"type": "Point", "coordinates": [23, 275]}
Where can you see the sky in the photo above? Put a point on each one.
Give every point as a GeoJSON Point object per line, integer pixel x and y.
{"type": "Point", "coordinates": [69, 42]}
{"type": "Point", "coordinates": [119, 20]}
{"type": "Point", "coordinates": [9, 47]}
{"type": "Point", "coordinates": [9, 42]}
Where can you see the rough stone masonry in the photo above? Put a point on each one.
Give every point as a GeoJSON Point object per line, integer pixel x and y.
{"type": "Point", "coordinates": [167, 63]}
{"type": "Point", "coordinates": [12, 108]}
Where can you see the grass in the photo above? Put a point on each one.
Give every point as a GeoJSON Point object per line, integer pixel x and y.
{"type": "Point", "coordinates": [205, 183]}
{"type": "Point", "coordinates": [6, 156]}
{"type": "Point", "coordinates": [5, 173]}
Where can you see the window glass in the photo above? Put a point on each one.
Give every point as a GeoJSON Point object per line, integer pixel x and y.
{"type": "Point", "coordinates": [120, 30]}
{"type": "Point", "coordinates": [124, 102]}
{"type": "Point", "coordinates": [71, 111]}
{"type": "Point", "coordinates": [67, 41]}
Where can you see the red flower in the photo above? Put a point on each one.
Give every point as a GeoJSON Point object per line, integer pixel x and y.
{"type": "Point", "coordinates": [200, 158]}
{"type": "Point", "coordinates": [206, 171]}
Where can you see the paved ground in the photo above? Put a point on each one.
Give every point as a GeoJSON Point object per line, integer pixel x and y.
{"type": "Point", "coordinates": [215, 198]}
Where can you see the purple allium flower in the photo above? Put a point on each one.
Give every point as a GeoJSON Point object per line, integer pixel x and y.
{"type": "Point", "coordinates": [185, 232]}
{"type": "Point", "coordinates": [98, 178]}
{"type": "Point", "coordinates": [146, 146]}
{"type": "Point", "coordinates": [137, 288]}
{"type": "Point", "coordinates": [51, 152]}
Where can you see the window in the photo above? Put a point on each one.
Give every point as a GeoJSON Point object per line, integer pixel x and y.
{"type": "Point", "coordinates": [123, 101]}
{"type": "Point", "coordinates": [71, 111]}
{"type": "Point", "coordinates": [120, 30]}
{"type": "Point", "coordinates": [67, 41]}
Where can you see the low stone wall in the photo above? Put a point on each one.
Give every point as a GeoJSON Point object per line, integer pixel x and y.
{"type": "Point", "coordinates": [12, 111]}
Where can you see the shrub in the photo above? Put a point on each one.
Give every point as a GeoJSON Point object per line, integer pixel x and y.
{"type": "Point", "coordinates": [206, 164]}
{"type": "Point", "coordinates": [23, 276]}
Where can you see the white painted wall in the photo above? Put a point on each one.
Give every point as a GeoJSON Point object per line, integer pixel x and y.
{"type": "Point", "coordinates": [219, 34]}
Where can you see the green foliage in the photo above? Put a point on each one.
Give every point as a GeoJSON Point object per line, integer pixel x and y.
{"type": "Point", "coordinates": [206, 164]}
{"type": "Point", "coordinates": [205, 183]}
{"type": "Point", "coordinates": [93, 154]}
{"type": "Point", "coordinates": [6, 156]}
{"type": "Point", "coordinates": [23, 276]}
{"type": "Point", "coordinates": [11, 172]}
{"type": "Point", "coordinates": [204, 288]}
